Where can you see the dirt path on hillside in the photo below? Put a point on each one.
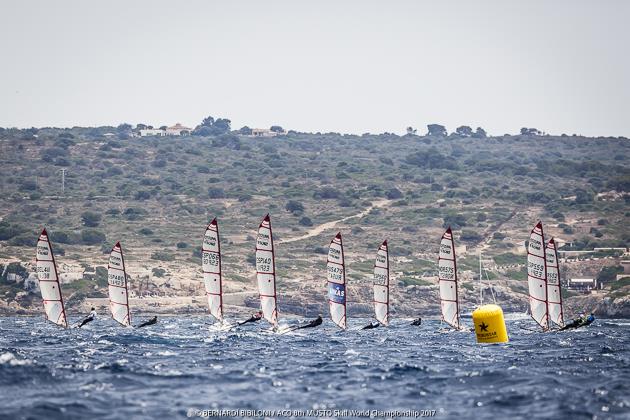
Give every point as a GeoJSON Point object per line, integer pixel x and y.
{"type": "Point", "coordinates": [317, 230]}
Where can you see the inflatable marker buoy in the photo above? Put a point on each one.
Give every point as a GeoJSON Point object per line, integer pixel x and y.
{"type": "Point", "coordinates": [489, 324]}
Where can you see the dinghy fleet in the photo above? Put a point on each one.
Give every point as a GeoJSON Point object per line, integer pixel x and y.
{"type": "Point", "coordinates": [543, 277]}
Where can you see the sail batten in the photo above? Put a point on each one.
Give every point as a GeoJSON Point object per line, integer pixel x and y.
{"type": "Point", "coordinates": [48, 279]}
{"type": "Point", "coordinates": [554, 288]}
{"type": "Point", "coordinates": [117, 287]}
{"type": "Point", "coordinates": [381, 284]}
{"type": "Point", "coordinates": [336, 277]}
{"type": "Point", "coordinates": [447, 279]}
{"type": "Point", "coordinates": [537, 277]}
{"type": "Point", "coordinates": [211, 265]}
{"type": "Point", "coordinates": [266, 271]}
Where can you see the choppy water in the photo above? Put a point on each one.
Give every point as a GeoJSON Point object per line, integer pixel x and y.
{"type": "Point", "coordinates": [178, 365]}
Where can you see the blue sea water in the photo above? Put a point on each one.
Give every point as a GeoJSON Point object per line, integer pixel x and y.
{"type": "Point", "coordinates": [178, 366]}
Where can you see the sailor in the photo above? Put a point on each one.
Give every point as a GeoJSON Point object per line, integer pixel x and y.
{"type": "Point", "coordinates": [314, 323]}
{"type": "Point", "coordinates": [149, 322]}
{"type": "Point", "coordinates": [91, 317]}
{"type": "Point", "coordinates": [417, 322]}
{"type": "Point", "coordinates": [581, 321]}
{"type": "Point", "coordinates": [371, 325]}
{"type": "Point", "coordinates": [254, 318]}
{"type": "Point", "coordinates": [588, 321]}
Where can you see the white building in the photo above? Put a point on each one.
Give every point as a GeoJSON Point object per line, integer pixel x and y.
{"type": "Point", "coordinates": [178, 130]}
{"type": "Point", "coordinates": [264, 132]}
{"type": "Point", "coordinates": [152, 132]}
{"type": "Point", "coordinates": [582, 284]}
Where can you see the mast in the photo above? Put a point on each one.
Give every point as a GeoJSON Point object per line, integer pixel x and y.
{"type": "Point", "coordinates": [211, 265]}
{"type": "Point", "coordinates": [336, 276]}
{"type": "Point", "coordinates": [447, 279]}
{"type": "Point", "coordinates": [554, 286]}
{"type": "Point", "coordinates": [266, 271]}
{"type": "Point", "coordinates": [537, 277]}
{"type": "Point", "coordinates": [117, 287]}
{"type": "Point", "coordinates": [381, 284]}
{"type": "Point", "coordinates": [480, 281]}
{"type": "Point", "coordinates": [48, 279]}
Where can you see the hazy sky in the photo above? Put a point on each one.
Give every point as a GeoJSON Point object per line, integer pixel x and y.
{"type": "Point", "coordinates": [347, 66]}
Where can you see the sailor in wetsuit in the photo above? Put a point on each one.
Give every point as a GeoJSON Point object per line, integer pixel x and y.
{"type": "Point", "coordinates": [417, 322]}
{"type": "Point", "coordinates": [149, 322]}
{"type": "Point", "coordinates": [581, 321]}
{"type": "Point", "coordinates": [314, 323]}
{"type": "Point", "coordinates": [371, 325]}
{"type": "Point", "coordinates": [254, 318]}
{"type": "Point", "coordinates": [91, 317]}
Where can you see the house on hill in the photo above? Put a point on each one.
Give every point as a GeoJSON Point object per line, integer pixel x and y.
{"type": "Point", "coordinates": [264, 132]}
{"type": "Point", "coordinates": [178, 130]}
{"type": "Point", "coordinates": [175, 130]}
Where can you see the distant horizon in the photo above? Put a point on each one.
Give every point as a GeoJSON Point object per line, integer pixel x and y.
{"type": "Point", "coordinates": [421, 132]}
{"type": "Point", "coordinates": [347, 67]}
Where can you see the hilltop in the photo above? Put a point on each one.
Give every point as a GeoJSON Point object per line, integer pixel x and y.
{"type": "Point", "coordinates": [156, 194]}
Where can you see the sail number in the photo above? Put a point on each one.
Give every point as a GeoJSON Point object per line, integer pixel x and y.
{"type": "Point", "coordinates": [210, 258]}
{"type": "Point", "coordinates": [380, 279]}
{"type": "Point", "coordinates": [446, 273]}
{"type": "Point", "coordinates": [263, 264]}
{"type": "Point", "coordinates": [335, 273]}
{"type": "Point", "coordinates": [116, 280]}
{"type": "Point", "coordinates": [536, 270]}
{"type": "Point", "coordinates": [43, 272]}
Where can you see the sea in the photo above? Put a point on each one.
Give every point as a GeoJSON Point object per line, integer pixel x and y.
{"type": "Point", "coordinates": [183, 368]}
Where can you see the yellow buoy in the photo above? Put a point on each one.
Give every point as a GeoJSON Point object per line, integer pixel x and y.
{"type": "Point", "coordinates": [489, 324]}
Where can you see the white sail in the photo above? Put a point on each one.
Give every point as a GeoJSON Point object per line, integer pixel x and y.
{"type": "Point", "coordinates": [537, 276]}
{"type": "Point", "coordinates": [336, 275]}
{"type": "Point", "coordinates": [554, 290]}
{"type": "Point", "coordinates": [381, 284]}
{"type": "Point", "coordinates": [49, 282]}
{"type": "Point", "coordinates": [266, 272]}
{"type": "Point", "coordinates": [117, 286]}
{"type": "Point", "coordinates": [211, 265]}
{"type": "Point", "coordinates": [447, 278]}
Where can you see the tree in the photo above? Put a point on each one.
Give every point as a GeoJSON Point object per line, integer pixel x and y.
{"type": "Point", "coordinates": [411, 131]}
{"type": "Point", "coordinates": [294, 207]}
{"type": "Point", "coordinates": [277, 129]}
{"type": "Point", "coordinates": [245, 130]}
{"type": "Point", "coordinates": [436, 130]}
{"type": "Point", "coordinates": [305, 221]}
{"type": "Point", "coordinates": [394, 194]}
{"type": "Point", "coordinates": [480, 133]}
{"type": "Point", "coordinates": [208, 121]}
{"type": "Point", "coordinates": [530, 131]}
{"type": "Point", "coordinates": [212, 127]}
{"type": "Point", "coordinates": [90, 219]}
{"type": "Point", "coordinates": [222, 125]}
{"type": "Point", "coordinates": [464, 131]}
{"type": "Point", "coordinates": [123, 128]}
{"type": "Point", "coordinates": [141, 127]}
{"type": "Point", "coordinates": [92, 236]}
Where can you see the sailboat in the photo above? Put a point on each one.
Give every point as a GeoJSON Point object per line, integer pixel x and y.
{"type": "Point", "coordinates": [211, 265]}
{"type": "Point", "coordinates": [537, 277]}
{"type": "Point", "coordinates": [381, 284]}
{"type": "Point", "coordinates": [336, 276]}
{"type": "Point", "coordinates": [447, 279]}
{"type": "Point", "coordinates": [554, 291]}
{"type": "Point", "coordinates": [117, 287]}
{"type": "Point", "coordinates": [49, 282]}
{"type": "Point", "coordinates": [266, 272]}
